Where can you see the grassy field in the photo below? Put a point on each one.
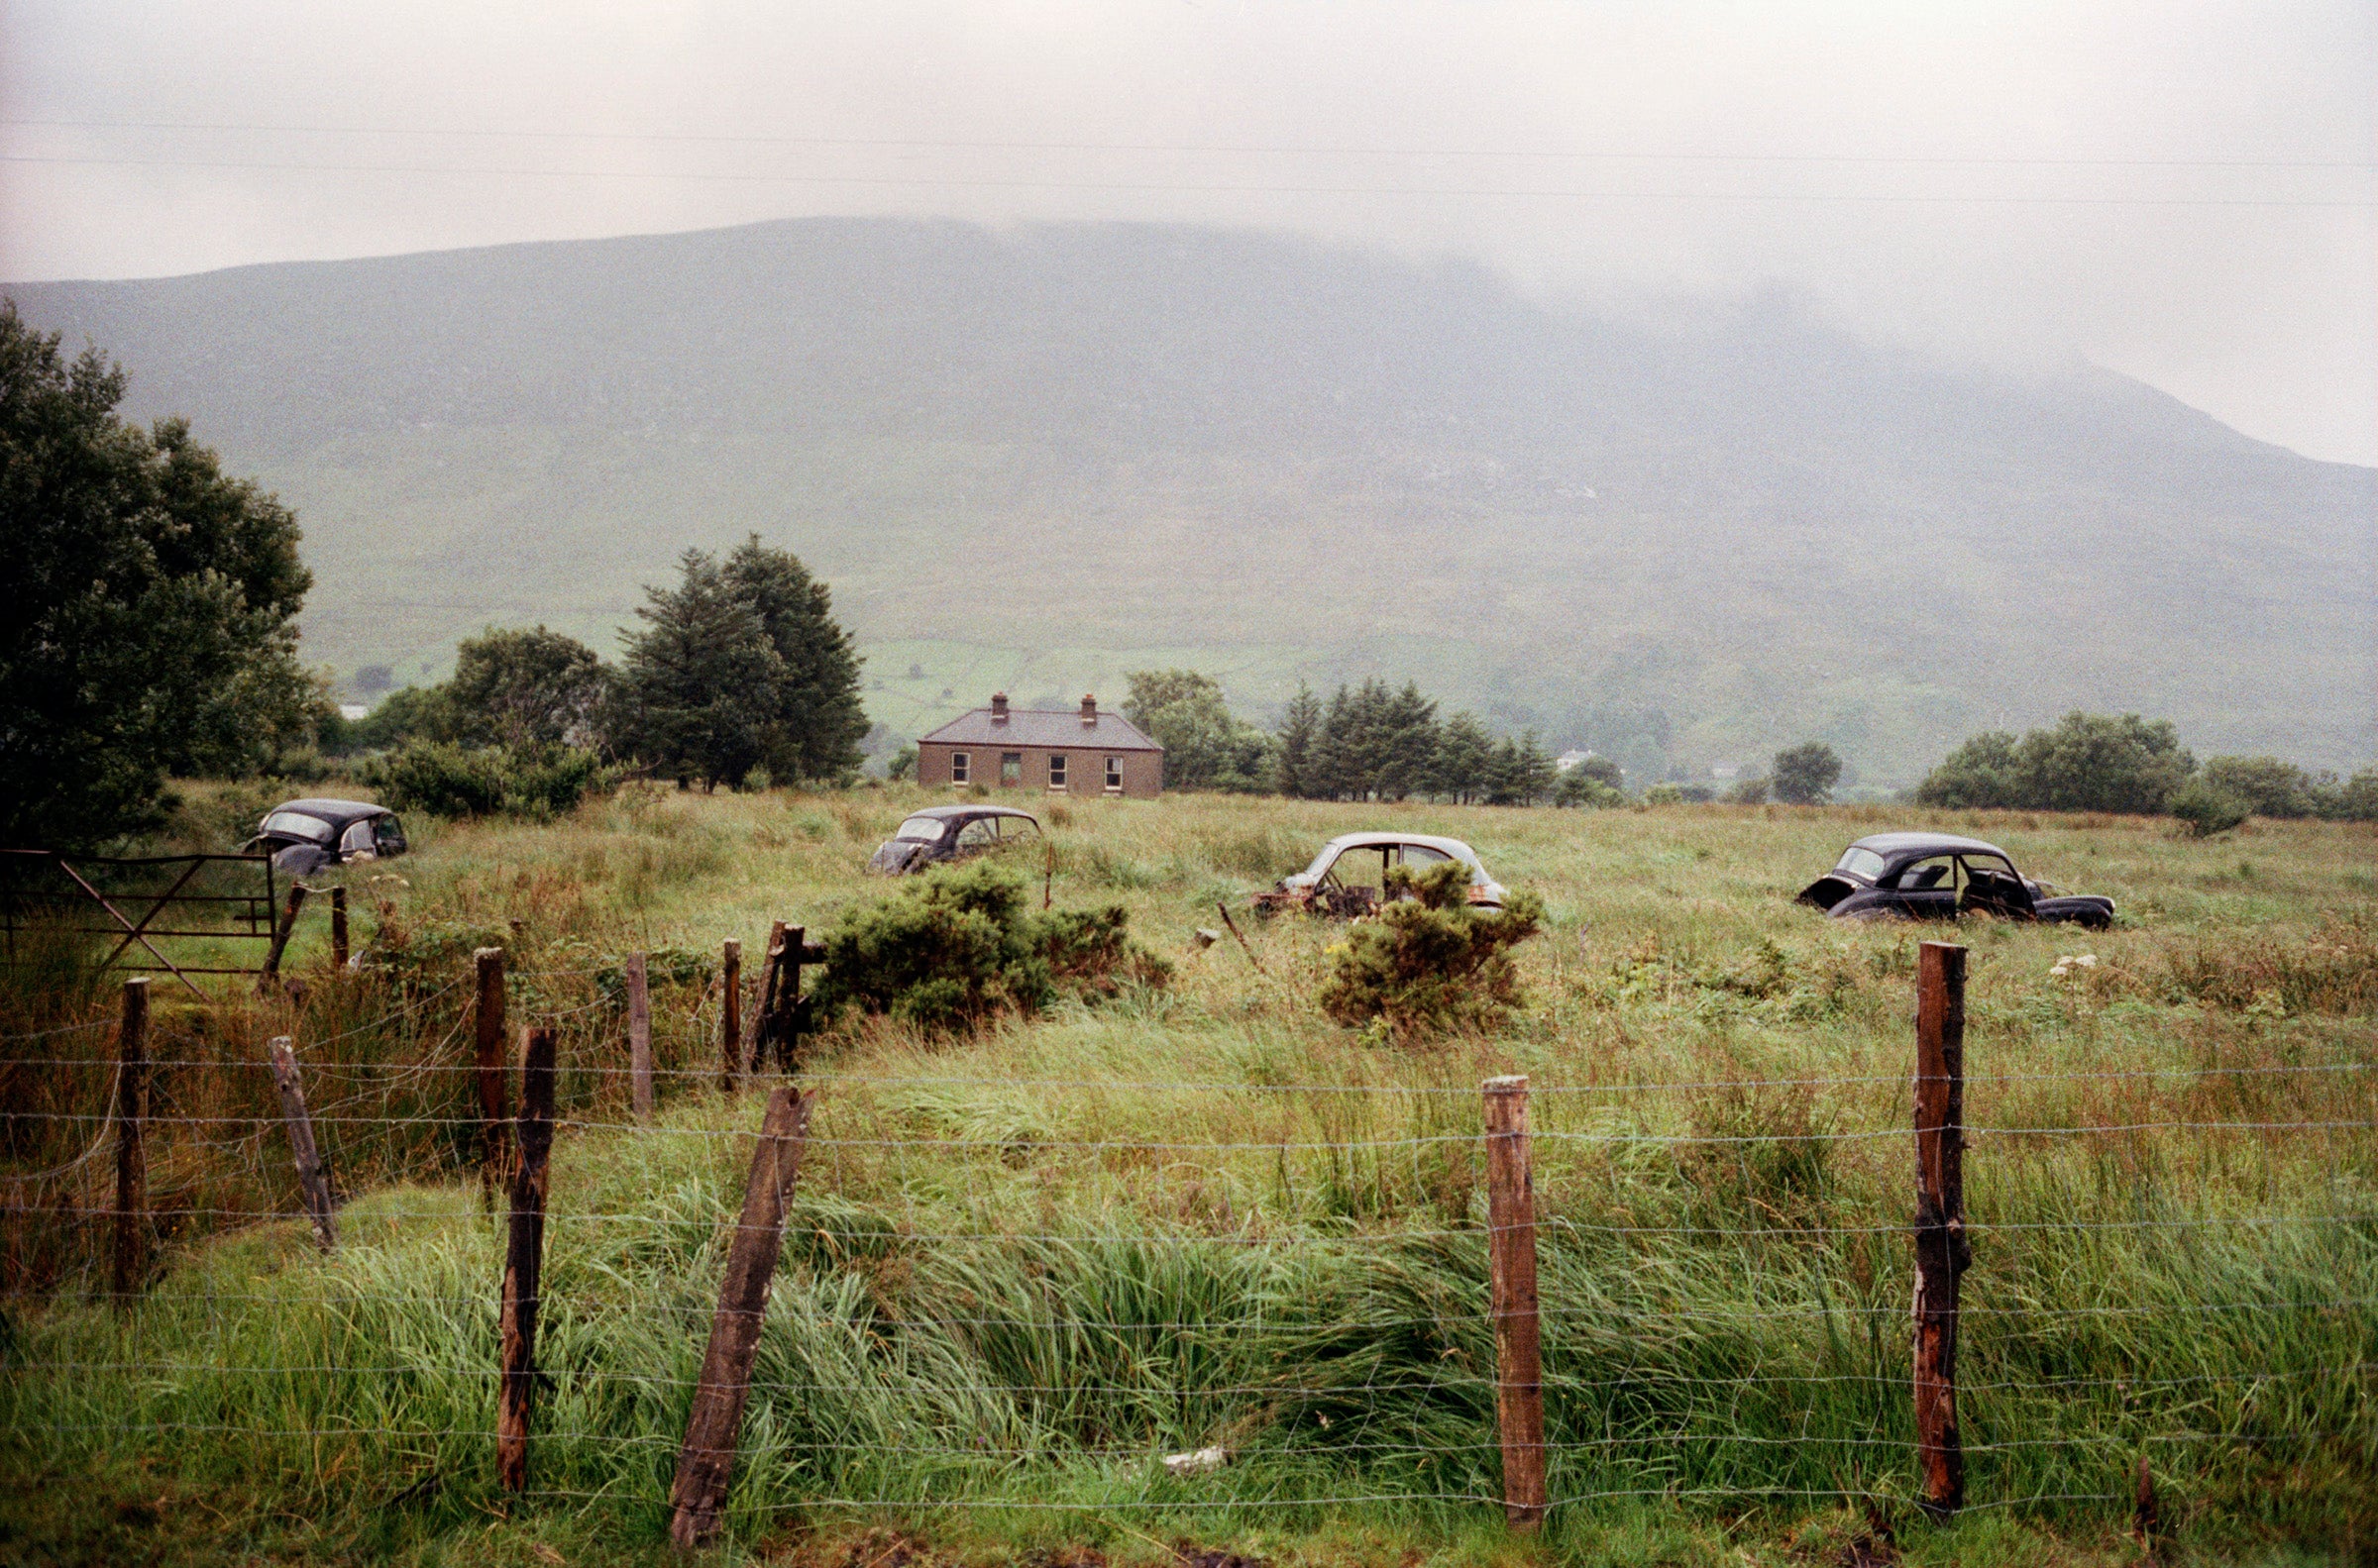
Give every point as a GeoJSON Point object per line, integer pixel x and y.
{"type": "Point", "coordinates": [1021, 1266]}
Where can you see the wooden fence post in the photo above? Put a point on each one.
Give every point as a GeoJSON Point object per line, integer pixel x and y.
{"type": "Point", "coordinates": [706, 1465]}
{"type": "Point", "coordinates": [495, 1140]}
{"type": "Point", "coordinates": [787, 994]}
{"type": "Point", "coordinates": [132, 1160]}
{"type": "Point", "coordinates": [639, 1038]}
{"type": "Point", "coordinates": [525, 1259]}
{"type": "Point", "coordinates": [1941, 1253]}
{"type": "Point", "coordinates": [763, 1008]}
{"type": "Point", "coordinates": [280, 936]}
{"type": "Point", "coordinates": [313, 1177]}
{"type": "Point", "coordinates": [1511, 1271]}
{"type": "Point", "coordinates": [338, 929]}
{"type": "Point", "coordinates": [730, 1011]}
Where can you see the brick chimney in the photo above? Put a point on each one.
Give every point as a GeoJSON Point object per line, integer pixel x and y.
{"type": "Point", "coordinates": [999, 707]}
{"type": "Point", "coordinates": [1089, 711]}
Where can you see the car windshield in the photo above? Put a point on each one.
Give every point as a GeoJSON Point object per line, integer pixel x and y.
{"type": "Point", "coordinates": [296, 824]}
{"type": "Point", "coordinates": [1861, 861]}
{"type": "Point", "coordinates": [924, 829]}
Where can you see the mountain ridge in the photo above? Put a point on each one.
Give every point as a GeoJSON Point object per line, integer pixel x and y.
{"type": "Point", "coordinates": [1044, 455]}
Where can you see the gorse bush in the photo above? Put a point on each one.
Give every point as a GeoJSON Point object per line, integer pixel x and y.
{"type": "Point", "coordinates": [445, 779]}
{"type": "Point", "coordinates": [1428, 961]}
{"type": "Point", "coordinates": [962, 947]}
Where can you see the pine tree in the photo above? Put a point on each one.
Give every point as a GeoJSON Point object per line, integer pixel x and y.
{"type": "Point", "coordinates": [701, 688]}
{"type": "Point", "coordinates": [820, 718]}
{"type": "Point", "coordinates": [1298, 734]}
{"type": "Point", "coordinates": [1406, 743]}
{"type": "Point", "coordinates": [1464, 755]}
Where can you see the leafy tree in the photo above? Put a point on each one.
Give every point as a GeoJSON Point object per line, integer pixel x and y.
{"type": "Point", "coordinates": [2207, 808]}
{"type": "Point", "coordinates": [408, 713]}
{"type": "Point", "coordinates": [522, 687]}
{"type": "Point", "coordinates": [1986, 770]}
{"type": "Point", "coordinates": [2088, 762]}
{"type": "Point", "coordinates": [151, 606]}
{"type": "Point", "coordinates": [699, 688]}
{"type": "Point", "coordinates": [1805, 774]}
{"type": "Point", "coordinates": [1603, 769]}
{"type": "Point", "coordinates": [2267, 786]}
{"type": "Point", "coordinates": [2357, 801]}
{"type": "Point", "coordinates": [820, 719]}
{"type": "Point", "coordinates": [1205, 746]}
{"type": "Point", "coordinates": [1748, 791]}
{"type": "Point", "coordinates": [1293, 743]}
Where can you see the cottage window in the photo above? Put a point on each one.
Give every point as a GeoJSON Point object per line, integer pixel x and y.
{"type": "Point", "coordinates": [1056, 771]}
{"type": "Point", "coordinates": [957, 766]}
{"type": "Point", "coordinates": [1011, 769]}
{"type": "Point", "coordinates": [1115, 775]}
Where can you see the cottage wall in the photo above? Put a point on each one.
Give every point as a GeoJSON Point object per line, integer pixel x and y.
{"type": "Point", "coordinates": [1085, 768]}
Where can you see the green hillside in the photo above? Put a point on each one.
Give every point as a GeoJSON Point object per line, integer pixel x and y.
{"type": "Point", "coordinates": [1039, 457]}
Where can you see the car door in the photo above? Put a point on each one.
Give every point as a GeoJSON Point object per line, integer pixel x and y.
{"type": "Point", "coordinates": [1927, 889]}
{"type": "Point", "coordinates": [1992, 888]}
{"type": "Point", "coordinates": [976, 835]}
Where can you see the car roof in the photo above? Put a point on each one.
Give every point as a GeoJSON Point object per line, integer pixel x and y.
{"type": "Point", "coordinates": [339, 813]}
{"type": "Point", "coordinates": [950, 814]}
{"type": "Point", "coordinates": [1891, 846]}
{"type": "Point", "coordinates": [1451, 846]}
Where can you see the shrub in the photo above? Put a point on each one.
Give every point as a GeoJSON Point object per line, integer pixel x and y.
{"type": "Point", "coordinates": [1578, 788]}
{"type": "Point", "coordinates": [2265, 786]}
{"type": "Point", "coordinates": [1430, 962]}
{"type": "Point", "coordinates": [1663, 794]}
{"type": "Point", "coordinates": [2208, 810]}
{"type": "Point", "coordinates": [2088, 762]}
{"type": "Point", "coordinates": [445, 779]}
{"type": "Point", "coordinates": [1748, 791]}
{"type": "Point", "coordinates": [962, 947]}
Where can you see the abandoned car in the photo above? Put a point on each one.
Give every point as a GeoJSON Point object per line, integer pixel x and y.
{"type": "Point", "coordinates": [1350, 875]}
{"type": "Point", "coordinates": [1940, 876]}
{"type": "Point", "coordinates": [939, 834]}
{"type": "Point", "coordinates": [304, 836]}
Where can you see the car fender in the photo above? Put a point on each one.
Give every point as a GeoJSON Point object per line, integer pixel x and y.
{"type": "Point", "coordinates": [2090, 909]}
{"type": "Point", "coordinates": [1869, 903]}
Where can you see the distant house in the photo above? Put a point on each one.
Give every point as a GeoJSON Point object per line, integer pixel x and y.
{"type": "Point", "coordinates": [1064, 751]}
{"type": "Point", "coordinates": [1725, 771]}
{"type": "Point", "coordinates": [1570, 758]}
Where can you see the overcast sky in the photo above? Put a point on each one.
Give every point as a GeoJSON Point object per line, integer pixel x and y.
{"type": "Point", "coordinates": [2180, 191]}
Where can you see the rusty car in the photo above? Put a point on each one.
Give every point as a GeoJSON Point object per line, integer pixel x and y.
{"type": "Point", "coordinates": [1348, 878]}
{"type": "Point", "coordinates": [937, 835]}
{"type": "Point", "coordinates": [304, 836]}
{"type": "Point", "coordinates": [1941, 877]}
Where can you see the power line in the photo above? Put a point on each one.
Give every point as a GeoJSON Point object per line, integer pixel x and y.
{"type": "Point", "coordinates": [1252, 149]}
{"type": "Point", "coordinates": [1177, 188]}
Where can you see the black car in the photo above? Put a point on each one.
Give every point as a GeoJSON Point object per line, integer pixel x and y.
{"type": "Point", "coordinates": [940, 833]}
{"type": "Point", "coordinates": [1940, 876]}
{"type": "Point", "coordinates": [304, 836]}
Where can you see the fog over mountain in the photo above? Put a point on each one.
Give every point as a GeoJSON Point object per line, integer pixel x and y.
{"type": "Point", "coordinates": [1039, 457]}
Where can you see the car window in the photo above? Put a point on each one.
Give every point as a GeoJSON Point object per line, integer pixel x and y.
{"type": "Point", "coordinates": [296, 824]}
{"type": "Point", "coordinates": [1860, 862]}
{"type": "Point", "coordinates": [1017, 827]}
{"type": "Point", "coordinates": [358, 838]}
{"type": "Point", "coordinates": [1932, 872]}
{"type": "Point", "coordinates": [981, 833]}
{"type": "Point", "coordinates": [1365, 867]}
{"type": "Point", "coordinates": [924, 829]}
{"type": "Point", "coordinates": [390, 833]}
{"type": "Point", "coordinates": [1422, 855]}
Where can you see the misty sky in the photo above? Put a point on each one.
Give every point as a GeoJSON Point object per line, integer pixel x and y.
{"type": "Point", "coordinates": [2180, 191]}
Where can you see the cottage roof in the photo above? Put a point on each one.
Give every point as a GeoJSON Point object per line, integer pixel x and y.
{"type": "Point", "coordinates": [1057, 729]}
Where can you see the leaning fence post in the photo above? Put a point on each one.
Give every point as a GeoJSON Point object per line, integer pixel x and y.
{"type": "Point", "coordinates": [763, 1011]}
{"type": "Point", "coordinates": [132, 1160]}
{"type": "Point", "coordinates": [338, 928]}
{"type": "Point", "coordinates": [495, 1143]}
{"type": "Point", "coordinates": [523, 1260]}
{"type": "Point", "coordinates": [280, 935]}
{"type": "Point", "coordinates": [313, 1177]}
{"type": "Point", "coordinates": [1941, 1253]}
{"type": "Point", "coordinates": [639, 1038]}
{"type": "Point", "coordinates": [730, 1011]}
{"type": "Point", "coordinates": [706, 1465]}
{"type": "Point", "coordinates": [1511, 1272]}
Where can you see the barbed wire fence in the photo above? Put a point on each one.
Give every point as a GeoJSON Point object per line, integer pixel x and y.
{"type": "Point", "coordinates": [696, 1283]}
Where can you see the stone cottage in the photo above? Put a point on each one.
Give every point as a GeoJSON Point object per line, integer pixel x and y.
{"type": "Point", "coordinates": [1048, 752]}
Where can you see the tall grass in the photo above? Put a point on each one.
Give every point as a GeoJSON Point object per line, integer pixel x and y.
{"type": "Point", "coordinates": [1022, 1266]}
